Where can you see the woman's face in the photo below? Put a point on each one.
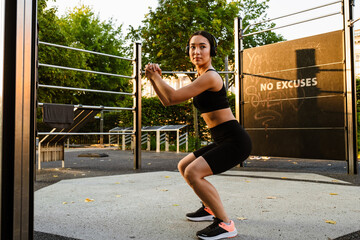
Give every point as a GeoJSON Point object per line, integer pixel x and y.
{"type": "Point", "coordinates": [199, 50]}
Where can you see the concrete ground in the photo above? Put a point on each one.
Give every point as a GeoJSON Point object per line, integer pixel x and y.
{"type": "Point", "coordinates": [104, 198]}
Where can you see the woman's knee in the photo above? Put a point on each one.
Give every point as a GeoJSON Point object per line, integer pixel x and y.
{"type": "Point", "coordinates": [183, 163]}
{"type": "Point", "coordinates": [181, 167]}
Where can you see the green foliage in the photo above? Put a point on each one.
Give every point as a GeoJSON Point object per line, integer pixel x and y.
{"type": "Point", "coordinates": [167, 28]}
{"type": "Point", "coordinates": [80, 28]}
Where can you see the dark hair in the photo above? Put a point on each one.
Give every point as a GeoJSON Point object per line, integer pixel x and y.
{"type": "Point", "coordinates": [212, 40]}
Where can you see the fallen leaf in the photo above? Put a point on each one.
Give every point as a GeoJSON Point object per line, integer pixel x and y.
{"type": "Point", "coordinates": [284, 178]}
{"type": "Point", "coordinates": [118, 195]}
{"type": "Point", "coordinates": [270, 197]}
{"type": "Point", "coordinates": [175, 205]}
{"type": "Point", "coordinates": [89, 200]}
{"type": "Point", "coordinates": [335, 180]}
{"type": "Point", "coordinates": [294, 162]}
{"type": "Point", "coordinates": [117, 183]}
{"type": "Point", "coordinates": [149, 163]}
{"type": "Point", "coordinates": [330, 221]}
{"type": "Point", "coordinates": [163, 190]}
{"type": "Point", "coordinates": [241, 218]}
{"type": "Point", "coordinates": [333, 194]}
{"type": "Point", "coordinates": [55, 176]}
{"type": "Point", "coordinates": [247, 181]}
{"type": "Point", "coordinates": [167, 176]}
{"type": "Point", "coordinates": [64, 202]}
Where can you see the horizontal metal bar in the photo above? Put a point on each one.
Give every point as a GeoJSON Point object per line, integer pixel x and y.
{"type": "Point", "coordinates": [291, 24]}
{"type": "Point", "coordinates": [160, 130]}
{"type": "Point", "coordinates": [83, 50]}
{"type": "Point", "coordinates": [85, 90]}
{"type": "Point", "coordinates": [97, 107]}
{"type": "Point", "coordinates": [291, 14]}
{"type": "Point", "coordinates": [182, 143]}
{"type": "Point", "coordinates": [185, 72]}
{"type": "Point", "coordinates": [78, 133]}
{"type": "Point", "coordinates": [83, 70]}
{"type": "Point", "coordinates": [182, 135]}
{"type": "Point", "coordinates": [315, 128]}
{"type": "Point", "coordinates": [353, 22]}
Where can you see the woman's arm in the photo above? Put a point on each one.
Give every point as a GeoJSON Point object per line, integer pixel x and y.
{"type": "Point", "coordinates": [170, 96]}
{"type": "Point", "coordinates": [162, 98]}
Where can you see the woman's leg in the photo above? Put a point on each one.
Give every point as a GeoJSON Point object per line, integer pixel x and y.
{"type": "Point", "coordinates": [185, 162]}
{"type": "Point", "coordinates": [194, 174]}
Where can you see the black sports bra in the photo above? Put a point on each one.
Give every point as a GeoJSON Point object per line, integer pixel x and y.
{"type": "Point", "coordinates": [209, 101]}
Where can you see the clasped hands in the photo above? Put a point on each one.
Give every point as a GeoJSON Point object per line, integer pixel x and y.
{"type": "Point", "coordinates": [151, 70]}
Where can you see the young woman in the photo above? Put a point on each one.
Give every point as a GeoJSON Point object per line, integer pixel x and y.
{"type": "Point", "coordinates": [231, 146]}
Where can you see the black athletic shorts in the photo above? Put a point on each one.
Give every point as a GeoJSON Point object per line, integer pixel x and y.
{"type": "Point", "coordinates": [232, 145]}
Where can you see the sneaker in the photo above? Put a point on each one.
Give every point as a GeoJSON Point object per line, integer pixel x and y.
{"type": "Point", "coordinates": [202, 214]}
{"type": "Point", "coordinates": [218, 230]}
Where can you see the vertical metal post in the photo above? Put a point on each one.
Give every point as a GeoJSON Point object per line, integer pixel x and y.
{"type": "Point", "coordinates": [157, 141]}
{"type": "Point", "coordinates": [123, 141]}
{"type": "Point", "coordinates": [166, 142]}
{"type": "Point", "coordinates": [351, 108]}
{"type": "Point", "coordinates": [137, 106]}
{"type": "Point", "coordinates": [177, 141]}
{"type": "Point", "coordinates": [187, 142]}
{"type": "Point", "coordinates": [148, 142]}
{"type": "Point", "coordinates": [102, 128]}
{"type": "Point", "coordinates": [39, 156]}
{"type": "Point", "coordinates": [227, 75]}
{"type": "Point", "coordinates": [18, 53]}
{"type": "Point", "coordinates": [239, 98]}
{"type": "Point", "coordinates": [238, 68]}
{"type": "Point", "coordinates": [2, 33]}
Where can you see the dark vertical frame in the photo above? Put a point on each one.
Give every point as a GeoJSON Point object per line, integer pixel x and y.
{"type": "Point", "coordinates": [137, 105]}
{"type": "Point", "coordinates": [2, 38]}
{"type": "Point", "coordinates": [238, 69]}
{"type": "Point", "coordinates": [7, 151]}
{"type": "Point", "coordinates": [18, 120]}
{"type": "Point", "coordinates": [351, 109]}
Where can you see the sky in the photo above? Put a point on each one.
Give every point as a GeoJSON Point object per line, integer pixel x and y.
{"type": "Point", "coordinates": [132, 12]}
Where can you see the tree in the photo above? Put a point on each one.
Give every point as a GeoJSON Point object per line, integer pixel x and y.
{"type": "Point", "coordinates": [167, 29]}
{"type": "Point", "coordinates": [81, 28]}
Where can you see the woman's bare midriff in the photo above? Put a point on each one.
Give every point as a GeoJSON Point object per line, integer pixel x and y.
{"type": "Point", "coordinates": [214, 118]}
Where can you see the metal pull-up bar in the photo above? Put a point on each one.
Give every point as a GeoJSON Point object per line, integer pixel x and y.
{"type": "Point", "coordinates": [136, 95]}
{"type": "Point", "coordinates": [350, 85]}
{"type": "Point", "coordinates": [242, 32]}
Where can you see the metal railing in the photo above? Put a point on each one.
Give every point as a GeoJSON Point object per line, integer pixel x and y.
{"type": "Point", "coordinates": [289, 15]}
{"type": "Point", "coordinates": [346, 11]}
{"type": "Point", "coordinates": [162, 137]}
{"type": "Point", "coordinates": [136, 94]}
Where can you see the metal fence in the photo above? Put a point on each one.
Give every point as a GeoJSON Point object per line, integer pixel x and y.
{"type": "Point", "coordinates": [161, 136]}
{"type": "Point", "coordinates": [351, 119]}
{"type": "Point", "coordinates": [136, 94]}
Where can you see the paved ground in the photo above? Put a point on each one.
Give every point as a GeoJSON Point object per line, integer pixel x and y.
{"type": "Point", "coordinates": [279, 198]}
